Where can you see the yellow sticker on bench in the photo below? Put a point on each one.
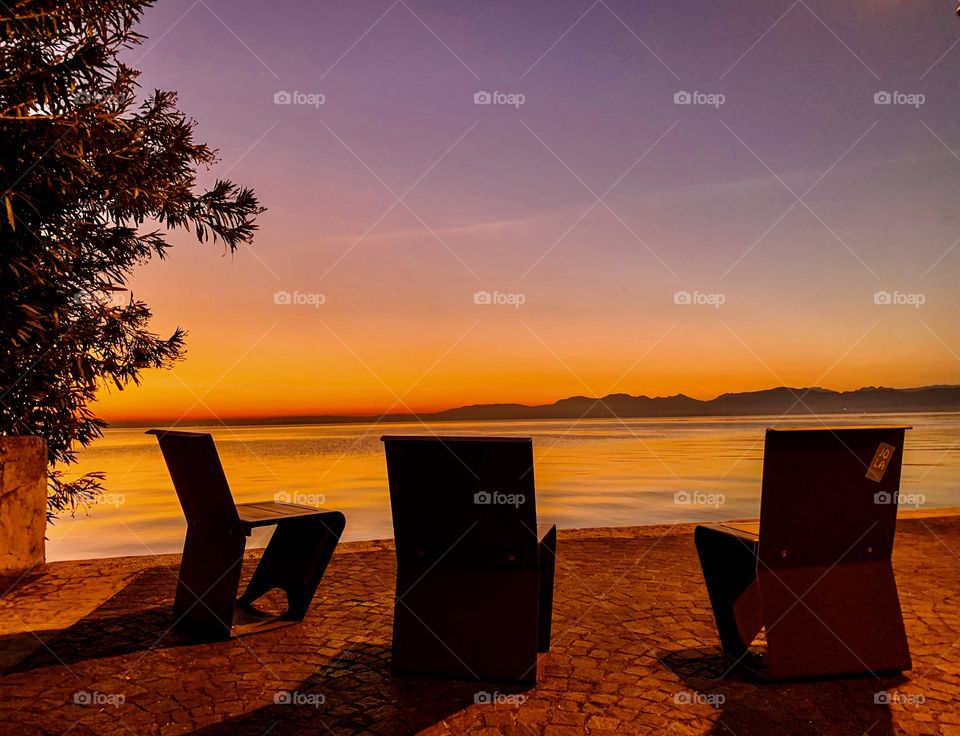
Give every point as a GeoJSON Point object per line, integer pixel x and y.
{"type": "Point", "coordinates": [881, 460]}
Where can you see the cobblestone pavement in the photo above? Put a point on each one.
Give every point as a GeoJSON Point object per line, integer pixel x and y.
{"type": "Point", "coordinates": [634, 651]}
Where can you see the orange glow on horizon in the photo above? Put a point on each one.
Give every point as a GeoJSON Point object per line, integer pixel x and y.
{"type": "Point", "coordinates": [292, 369]}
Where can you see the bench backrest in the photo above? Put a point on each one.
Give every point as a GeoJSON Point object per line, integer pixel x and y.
{"type": "Point", "coordinates": [465, 501]}
{"type": "Point", "coordinates": [198, 478]}
{"type": "Point", "coordinates": [829, 495]}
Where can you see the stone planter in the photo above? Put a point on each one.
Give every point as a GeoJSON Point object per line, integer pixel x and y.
{"type": "Point", "coordinates": [23, 502]}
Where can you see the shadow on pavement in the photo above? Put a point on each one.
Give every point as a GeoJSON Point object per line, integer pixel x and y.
{"type": "Point", "coordinates": [357, 693]}
{"type": "Point", "coordinates": [746, 704]}
{"type": "Point", "coordinates": [137, 618]}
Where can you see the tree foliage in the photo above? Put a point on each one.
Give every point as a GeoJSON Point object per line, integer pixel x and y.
{"type": "Point", "coordinates": [92, 181]}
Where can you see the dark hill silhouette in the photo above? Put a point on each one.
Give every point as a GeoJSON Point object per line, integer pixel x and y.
{"type": "Point", "coordinates": [774, 401]}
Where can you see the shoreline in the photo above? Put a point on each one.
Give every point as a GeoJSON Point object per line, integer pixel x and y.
{"type": "Point", "coordinates": [576, 533]}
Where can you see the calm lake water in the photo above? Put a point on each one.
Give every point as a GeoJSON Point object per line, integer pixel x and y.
{"type": "Point", "coordinates": [597, 473]}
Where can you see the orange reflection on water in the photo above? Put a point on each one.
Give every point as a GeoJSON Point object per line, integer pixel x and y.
{"type": "Point", "coordinates": [592, 473]}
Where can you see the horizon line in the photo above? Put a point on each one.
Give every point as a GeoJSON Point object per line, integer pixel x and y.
{"type": "Point", "coordinates": [320, 417]}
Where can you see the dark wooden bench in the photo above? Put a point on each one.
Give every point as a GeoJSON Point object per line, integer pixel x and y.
{"type": "Point", "coordinates": [816, 572]}
{"type": "Point", "coordinates": [294, 560]}
{"type": "Point", "coordinates": [475, 571]}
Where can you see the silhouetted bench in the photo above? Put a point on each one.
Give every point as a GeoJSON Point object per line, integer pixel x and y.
{"type": "Point", "coordinates": [816, 573]}
{"type": "Point", "coordinates": [294, 561]}
{"type": "Point", "coordinates": [475, 571]}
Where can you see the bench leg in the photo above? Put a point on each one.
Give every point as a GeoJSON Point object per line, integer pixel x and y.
{"type": "Point", "coordinates": [295, 560]}
{"type": "Point", "coordinates": [208, 582]}
{"type": "Point", "coordinates": [548, 557]}
{"type": "Point", "coordinates": [729, 564]}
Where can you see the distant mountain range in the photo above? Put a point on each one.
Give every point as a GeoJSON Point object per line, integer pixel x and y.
{"type": "Point", "coordinates": [775, 401]}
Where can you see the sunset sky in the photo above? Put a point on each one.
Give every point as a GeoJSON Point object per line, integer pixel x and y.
{"type": "Point", "coordinates": [597, 200]}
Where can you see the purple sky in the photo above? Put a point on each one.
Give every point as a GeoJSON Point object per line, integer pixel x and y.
{"type": "Point", "coordinates": [700, 199]}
